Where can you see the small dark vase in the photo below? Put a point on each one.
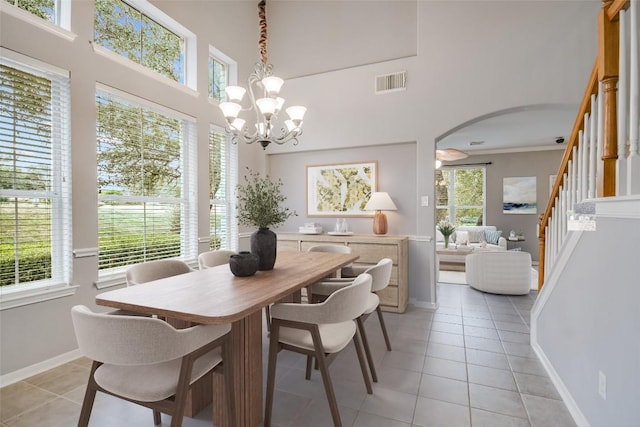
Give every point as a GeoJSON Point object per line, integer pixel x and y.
{"type": "Point", "coordinates": [244, 264]}
{"type": "Point", "coordinates": [264, 244]}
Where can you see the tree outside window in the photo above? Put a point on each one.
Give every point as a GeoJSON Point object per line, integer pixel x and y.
{"type": "Point", "coordinates": [127, 31]}
{"type": "Point", "coordinates": [45, 9]}
{"type": "Point", "coordinates": [460, 195]}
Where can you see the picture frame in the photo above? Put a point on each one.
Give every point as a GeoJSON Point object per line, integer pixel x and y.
{"type": "Point", "coordinates": [519, 195]}
{"type": "Point", "coordinates": [341, 190]}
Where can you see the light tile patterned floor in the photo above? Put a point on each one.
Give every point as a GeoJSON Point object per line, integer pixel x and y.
{"type": "Point", "coordinates": [467, 364]}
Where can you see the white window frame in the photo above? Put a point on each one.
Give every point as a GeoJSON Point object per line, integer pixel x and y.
{"type": "Point", "coordinates": [232, 70]}
{"type": "Point", "coordinates": [190, 49]}
{"type": "Point", "coordinates": [59, 285]}
{"type": "Point", "coordinates": [62, 26]}
{"type": "Point", "coordinates": [189, 235]}
{"type": "Point", "coordinates": [231, 182]}
{"type": "Point", "coordinates": [452, 202]}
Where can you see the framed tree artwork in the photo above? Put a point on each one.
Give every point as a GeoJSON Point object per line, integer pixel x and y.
{"type": "Point", "coordinates": [341, 190]}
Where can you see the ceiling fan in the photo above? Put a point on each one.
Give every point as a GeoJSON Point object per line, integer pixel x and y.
{"type": "Point", "coordinates": [450, 154]}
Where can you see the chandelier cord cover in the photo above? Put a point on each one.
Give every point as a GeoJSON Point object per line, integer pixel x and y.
{"type": "Point", "coordinates": [267, 107]}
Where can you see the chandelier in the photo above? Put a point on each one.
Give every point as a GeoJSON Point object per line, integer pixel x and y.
{"type": "Point", "coordinates": [261, 83]}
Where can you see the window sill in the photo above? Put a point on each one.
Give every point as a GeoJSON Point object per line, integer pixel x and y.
{"type": "Point", "coordinates": [108, 280]}
{"type": "Point", "coordinates": [29, 18]}
{"type": "Point", "coordinates": [106, 53]}
{"type": "Point", "coordinates": [33, 293]}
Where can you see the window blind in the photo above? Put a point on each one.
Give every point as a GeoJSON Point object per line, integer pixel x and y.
{"type": "Point", "coordinates": [146, 182]}
{"type": "Point", "coordinates": [35, 174]}
{"type": "Point", "coordinates": [223, 178]}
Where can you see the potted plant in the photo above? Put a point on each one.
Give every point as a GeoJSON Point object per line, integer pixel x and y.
{"type": "Point", "coordinates": [259, 204]}
{"type": "Point", "coordinates": [447, 229]}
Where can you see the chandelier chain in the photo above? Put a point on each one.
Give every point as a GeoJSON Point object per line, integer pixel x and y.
{"type": "Point", "coordinates": [262, 42]}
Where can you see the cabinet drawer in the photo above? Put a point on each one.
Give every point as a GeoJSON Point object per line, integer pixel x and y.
{"type": "Point", "coordinates": [389, 296]}
{"type": "Point", "coordinates": [287, 246]}
{"type": "Point", "coordinates": [304, 246]}
{"type": "Point", "coordinates": [372, 253]}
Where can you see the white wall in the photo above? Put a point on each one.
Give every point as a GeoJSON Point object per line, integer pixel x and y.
{"type": "Point", "coordinates": [591, 321]}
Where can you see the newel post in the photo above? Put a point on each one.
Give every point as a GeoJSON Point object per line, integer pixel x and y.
{"type": "Point", "coordinates": [608, 42]}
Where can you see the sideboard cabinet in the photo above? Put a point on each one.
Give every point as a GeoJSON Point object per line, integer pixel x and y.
{"type": "Point", "coordinates": [371, 249]}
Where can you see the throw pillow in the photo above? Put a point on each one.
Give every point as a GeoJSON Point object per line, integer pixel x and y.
{"type": "Point", "coordinates": [492, 236]}
{"type": "Point", "coordinates": [476, 236]}
{"type": "Point", "coordinates": [462, 237]}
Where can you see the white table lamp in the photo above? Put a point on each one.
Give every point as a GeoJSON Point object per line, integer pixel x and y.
{"type": "Point", "coordinates": [380, 201]}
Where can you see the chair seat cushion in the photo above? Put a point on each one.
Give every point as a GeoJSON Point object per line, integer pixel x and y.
{"type": "Point", "coordinates": [372, 303]}
{"type": "Point", "coordinates": [151, 383]}
{"type": "Point", "coordinates": [334, 336]}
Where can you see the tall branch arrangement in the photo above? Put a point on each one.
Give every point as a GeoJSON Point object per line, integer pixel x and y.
{"type": "Point", "coordinates": [260, 202]}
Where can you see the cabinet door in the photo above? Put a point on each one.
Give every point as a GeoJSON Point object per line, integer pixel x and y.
{"type": "Point", "coordinates": [287, 246]}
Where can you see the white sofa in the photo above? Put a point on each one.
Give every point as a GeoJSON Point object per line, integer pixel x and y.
{"type": "Point", "coordinates": [474, 236]}
{"type": "Point", "coordinates": [503, 272]}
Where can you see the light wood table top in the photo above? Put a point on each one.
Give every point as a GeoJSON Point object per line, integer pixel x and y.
{"type": "Point", "coordinates": [215, 295]}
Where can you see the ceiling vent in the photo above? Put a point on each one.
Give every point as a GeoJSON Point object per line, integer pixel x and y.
{"type": "Point", "coordinates": [391, 82]}
{"type": "Point", "coordinates": [472, 143]}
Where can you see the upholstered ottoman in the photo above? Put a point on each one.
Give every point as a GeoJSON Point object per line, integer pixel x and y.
{"type": "Point", "coordinates": [503, 272]}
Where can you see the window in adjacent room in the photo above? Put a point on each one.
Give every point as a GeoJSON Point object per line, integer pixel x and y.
{"type": "Point", "coordinates": [222, 183]}
{"type": "Point", "coordinates": [141, 33]}
{"type": "Point", "coordinates": [146, 181]}
{"type": "Point", "coordinates": [460, 195]}
{"type": "Point", "coordinates": [35, 176]}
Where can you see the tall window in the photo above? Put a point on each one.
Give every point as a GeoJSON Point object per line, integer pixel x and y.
{"type": "Point", "coordinates": [137, 35]}
{"type": "Point", "coordinates": [218, 79]}
{"type": "Point", "coordinates": [146, 181]}
{"type": "Point", "coordinates": [35, 178]}
{"type": "Point", "coordinates": [49, 10]}
{"type": "Point", "coordinates": [460, 195]}
{"type": "Point", "coordinates": [222, 182]}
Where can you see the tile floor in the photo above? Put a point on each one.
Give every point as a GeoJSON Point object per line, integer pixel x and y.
{"type": "Point", "coordinates": [467, 364]}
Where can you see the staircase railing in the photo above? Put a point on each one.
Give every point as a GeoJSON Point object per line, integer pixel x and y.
{"type": "Point", "coordinates": [602, 158]}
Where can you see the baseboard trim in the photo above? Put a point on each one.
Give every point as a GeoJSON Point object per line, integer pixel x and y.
{"type": "Point", "coordinates": [38, 368]}
{"type": "Point", "coordinates": [572, 406]}
{"type": "Point", "coordinates": [423, 304]}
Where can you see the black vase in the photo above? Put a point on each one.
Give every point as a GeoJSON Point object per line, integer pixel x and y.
{"type": "Point", "coordinates": [244, 264]}
{"type": "Point", "coordinates": [264, 244]}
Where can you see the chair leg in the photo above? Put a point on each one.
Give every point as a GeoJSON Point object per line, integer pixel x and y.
{"type": "Point", "coordinates": [271, 372]}
{"type": "Point", "coordinates": [267, 315]}
{"type": "Point", "coordinates": [181, 392]}
{"type": "Point", "coordinates": [384, 328]}
{"type": "Point", "coordinates": [308, 371]}
{"type": "Point", "coordinates": [89, 397]}
{"type": "Point", "coordinates": [363, 363]}
{"type": "Point", "coordinates": [326, 379]}
{"type": "Point", "coordinates": [228, 380]}
{"type": "Point", "coordinates": [157, 419]}
{"type": "Point", "coordinates": [367, 349]}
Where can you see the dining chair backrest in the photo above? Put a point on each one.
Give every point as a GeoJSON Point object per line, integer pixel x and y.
{"type": "Point", "coordinates": [339, 249]}
{"type": "Point", "coordinates": [154, 270]}
{"type": "Point", "coordinates": [381, 274]}
{"type": "Point", "coordinates": [136, 340]}
{"type": "Point", "coordinates": [349, 302]}
{"type": "Point", "coordinates": [214, 258]}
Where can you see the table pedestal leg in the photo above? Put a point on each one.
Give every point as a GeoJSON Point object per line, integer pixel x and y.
{"type": "Point", "coordinates": [246, 348]}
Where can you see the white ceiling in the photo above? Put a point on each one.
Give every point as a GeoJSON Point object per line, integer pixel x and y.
{"type": "Point", "coordinates": [519, 129]}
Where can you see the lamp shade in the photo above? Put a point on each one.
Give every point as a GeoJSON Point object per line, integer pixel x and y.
{"type": "Point", "coordinates": [380, 201]}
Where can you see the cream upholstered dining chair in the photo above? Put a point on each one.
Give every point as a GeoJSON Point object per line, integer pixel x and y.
{"type": "Point", "coordinates": [381, 274]}
{"type": "Point", "coordinates": [338, 249]}
{"type": "Point", "coordinates": [214, 258]}
{"type": "Point", "coordinates": [320, 331]}
{"type": "Point", "coordinates": [148, 362]}
{"type": "Point", "coordinates": [154, 270]}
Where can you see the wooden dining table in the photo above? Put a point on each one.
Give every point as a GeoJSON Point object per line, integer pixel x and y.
{"type": "Point", "coordinates": [216, 296]}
